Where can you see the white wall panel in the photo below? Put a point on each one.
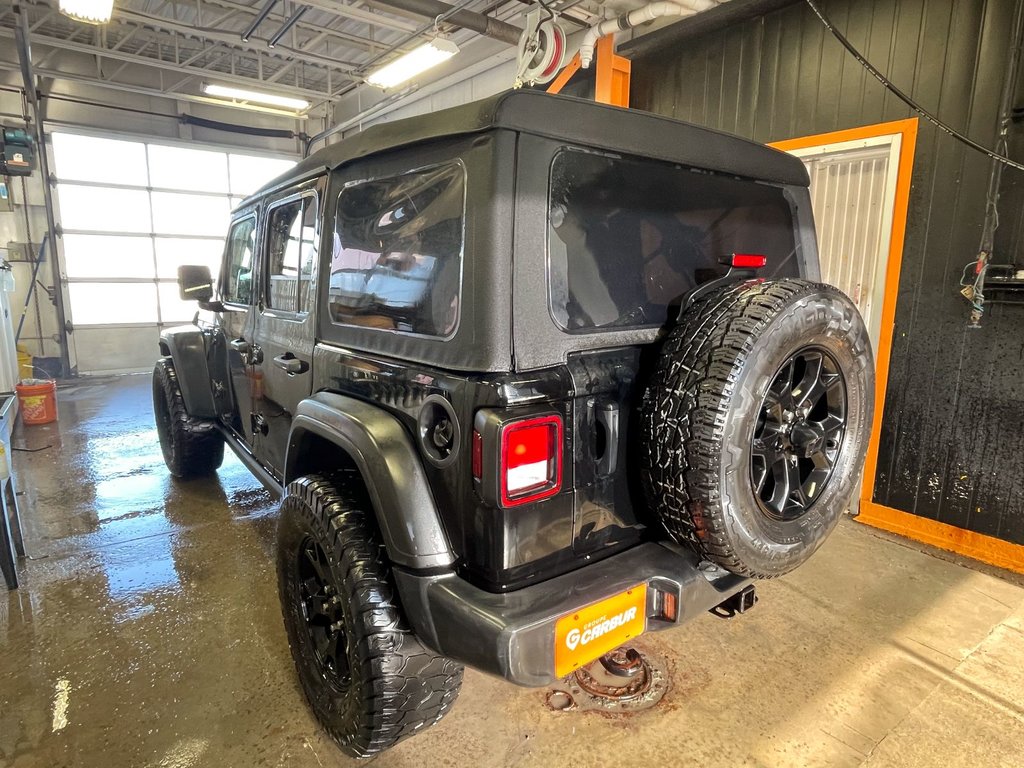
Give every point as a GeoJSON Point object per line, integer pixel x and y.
{"type": "Point", "coordinates": [853, 187]}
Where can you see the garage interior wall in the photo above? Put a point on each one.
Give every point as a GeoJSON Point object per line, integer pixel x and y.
{"type": "Point", "coordinates": [951, 448]}
{"type": "Point", "coordinates": [121, 114]}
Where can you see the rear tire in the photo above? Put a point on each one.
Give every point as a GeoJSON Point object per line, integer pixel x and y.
{"type": "Point", "coordinates": [756, 423]}
{"type": "Point", "coordinates": [368, 679]}
{"type": "Point", "coordinates": [191, 447]}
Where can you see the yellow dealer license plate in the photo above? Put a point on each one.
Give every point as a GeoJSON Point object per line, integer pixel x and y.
{"type": "Point", "coordinates": [586, 634]}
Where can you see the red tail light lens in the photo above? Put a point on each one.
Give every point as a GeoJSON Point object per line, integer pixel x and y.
{"type": "Point", "coordinates": [747, 260]}
{"type": "Point", "coordinates": [531, 460]}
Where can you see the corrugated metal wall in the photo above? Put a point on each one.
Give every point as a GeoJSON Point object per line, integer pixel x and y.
{"type": "Point", "coordinates": [952, 444]}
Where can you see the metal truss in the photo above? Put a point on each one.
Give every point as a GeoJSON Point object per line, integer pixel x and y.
{"type": "Point", "coordinates": [187, 41]}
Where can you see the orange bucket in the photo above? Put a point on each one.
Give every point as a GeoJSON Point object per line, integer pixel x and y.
{"type": "Point", "coordinates": [38, 401]}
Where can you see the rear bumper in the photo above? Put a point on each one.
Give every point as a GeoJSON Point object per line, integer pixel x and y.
{"type": "Point", "coordinates": [512, 634]}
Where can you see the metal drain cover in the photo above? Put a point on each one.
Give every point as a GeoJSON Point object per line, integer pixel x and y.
{"type": "Point", "coordinates": [621, 681]}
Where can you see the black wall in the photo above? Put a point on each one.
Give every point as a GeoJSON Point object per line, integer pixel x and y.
{"type": "Point", "coordinates": [952, 442]}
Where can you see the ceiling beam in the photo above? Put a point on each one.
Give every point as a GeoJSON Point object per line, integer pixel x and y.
{"type": "Point", "coordinates": [137, 89]}
{"type": "Point", "coordinates": [362, 14]}
{"type": "Point", "coordinates": [96, 50]}
{"type": "Point", "coordinates": [230, 38]}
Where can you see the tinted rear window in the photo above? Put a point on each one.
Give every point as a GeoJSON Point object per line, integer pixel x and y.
{"type": "Point", "coordinates": [628, 238]}
{"type": "Point", "coordinates": [397, 259]}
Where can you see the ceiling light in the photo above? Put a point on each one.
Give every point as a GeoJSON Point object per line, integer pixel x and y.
{"type": "Point", "coordinates": [240, 94]}
{"type": "Point", "coordinates": [415, 62]}
{"type": "Point", "coordinates": [89, 11]}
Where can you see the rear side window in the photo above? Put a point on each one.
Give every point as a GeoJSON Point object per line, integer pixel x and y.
{"type": "Point", "coordinates": [397, 259]}
{"type": "Point", "coordinates": [628, 238]}
{"type": "Point", "coordinates": [238, 280]}
{"type": "Point", "coordinates": [291, 253]}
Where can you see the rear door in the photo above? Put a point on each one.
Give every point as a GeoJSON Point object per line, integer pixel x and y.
{"type": "Point", "coordinates": [285, 320]}
{"type": "Point", "coordinates": [628, 240]}
{"type": "Point", "coordinates": [228, 353]}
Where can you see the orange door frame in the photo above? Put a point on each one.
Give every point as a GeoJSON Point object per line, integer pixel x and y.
{"type": "Point", "coordinates": [988, 549]}
{"type": "Point", "coordinates": [612, 74]}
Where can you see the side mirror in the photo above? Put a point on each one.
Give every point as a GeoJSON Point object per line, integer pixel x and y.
{"type": "Point", "coordinates": [195, 283]}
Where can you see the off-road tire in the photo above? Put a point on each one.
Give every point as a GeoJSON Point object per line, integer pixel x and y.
{"type": "Point", "coordinates": [191, 447]}
{"type": "Point", "coordinates": [701, 408]}
{"type": "Point", "coordinates": [395, 686]}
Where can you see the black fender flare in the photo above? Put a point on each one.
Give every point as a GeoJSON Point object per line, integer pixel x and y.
{"type": "Point", "coordinates": [186, 344]}
{"type": "Point", "coordinates": [391, 468]}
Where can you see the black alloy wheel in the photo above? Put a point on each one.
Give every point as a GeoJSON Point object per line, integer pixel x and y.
{"type": "Point", "coordinates": [755, 423]}
{"type": "Point", "coordinates": [799, 434]}
{"type": "Point", "coordinates": [323, 614]}
{"type": "Point", "coordinates": [366, 675]}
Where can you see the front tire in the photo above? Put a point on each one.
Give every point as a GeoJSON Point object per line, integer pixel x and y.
{"type": "Point", "coordinates": [368, 679]}
{"type": "Point", "coordinates": [191, 447]}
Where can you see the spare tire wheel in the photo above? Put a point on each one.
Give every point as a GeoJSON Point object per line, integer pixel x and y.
{"type": "Point", "coordinates": [756, 421]}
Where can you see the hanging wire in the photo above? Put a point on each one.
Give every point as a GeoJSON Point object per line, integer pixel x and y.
{"type": "Point", "coordinates": [993, 154]}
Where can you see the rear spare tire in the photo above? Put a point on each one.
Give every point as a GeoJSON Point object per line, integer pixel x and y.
{"type": "Point", "coordinates": [756, 421]}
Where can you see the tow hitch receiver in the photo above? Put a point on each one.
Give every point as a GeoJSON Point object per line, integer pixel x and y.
{"type": "Point", "coordinates": [739, 603]}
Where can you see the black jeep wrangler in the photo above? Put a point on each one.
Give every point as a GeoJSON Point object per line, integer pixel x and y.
{"type": "Point", "coordinates": [532, 376]}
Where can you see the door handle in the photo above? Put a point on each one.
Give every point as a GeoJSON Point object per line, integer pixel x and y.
{"type": "Point", "coordinates": [251, 354]}
{"type": "Point", "coordinates": [291, 364]}
{"type": "Point", "coordinates": [607, 418]}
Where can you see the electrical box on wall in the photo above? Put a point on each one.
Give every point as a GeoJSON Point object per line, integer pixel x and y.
{"type": "Point", "coordinates": [6, 202]}
{"type": "Point", "coordinates": [17, 152]}
{"type": "Point", "coordinates": [18, 251]}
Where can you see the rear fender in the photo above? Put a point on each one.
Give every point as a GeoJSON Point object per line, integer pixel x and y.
{"type": "Point", "coordinates": [390, 466]}
{"type": "Point", "coordinates": [186, 345]}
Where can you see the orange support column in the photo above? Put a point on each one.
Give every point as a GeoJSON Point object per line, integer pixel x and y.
{"type": "Point", "coordinates": [613, 72]}
{"type": "Point", "coordinates": [565, 75]}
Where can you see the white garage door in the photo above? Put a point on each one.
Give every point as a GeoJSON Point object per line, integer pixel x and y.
{"type": "Point", "coordinates": [132, 212]}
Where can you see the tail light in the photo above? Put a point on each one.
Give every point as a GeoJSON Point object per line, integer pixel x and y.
{"type": "Point", "coordinates": [517, 461]}
{"type": "Point", "coordinates": [745, 260]}
{"type": "Point", "coordinates": [531, 460]}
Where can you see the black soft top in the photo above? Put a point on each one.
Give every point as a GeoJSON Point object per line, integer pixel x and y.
{"type": "Point", "coordinates": [579, 121]}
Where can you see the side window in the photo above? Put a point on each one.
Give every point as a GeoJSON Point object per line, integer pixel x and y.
{"type": "Point", "coordinates": [291, 254]}
{"type": "Point", "coordinates": [397, 257]}
{"type": "Point", "coordinates": [238, 285]}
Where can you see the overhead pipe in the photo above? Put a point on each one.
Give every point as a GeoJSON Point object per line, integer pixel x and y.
{"type": "Point", "coordinates": [476, 22]}
{"type": "Point", "coordinates": [291, 22]}
{"type": "Point", "coordinates": [260, 18]}
{"type": "Point", "coordinates": [635, 18]}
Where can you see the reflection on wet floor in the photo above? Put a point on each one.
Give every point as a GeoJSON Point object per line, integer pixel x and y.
{"type": "Point", "coordinates": [132, 592]}
{"type": "Point", "coordinates": [110, 487]}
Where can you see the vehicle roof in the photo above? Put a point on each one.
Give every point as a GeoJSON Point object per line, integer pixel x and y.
{"type": "Point", "coordinates": [567, 118]}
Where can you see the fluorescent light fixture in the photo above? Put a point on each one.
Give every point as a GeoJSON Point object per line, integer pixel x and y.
{"type": "Point", "coordinates": [413, 63]}
{"type": "Point", "coordinates": [89, 11]}
{"type": "Point", "coordinates": [240, 94]}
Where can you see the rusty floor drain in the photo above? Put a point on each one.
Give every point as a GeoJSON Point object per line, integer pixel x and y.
{"type": "Point", "coordinates": [621, 681]}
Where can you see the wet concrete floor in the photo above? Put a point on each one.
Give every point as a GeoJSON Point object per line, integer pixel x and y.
{"type": "Point", "coordinates": [147, 633]}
